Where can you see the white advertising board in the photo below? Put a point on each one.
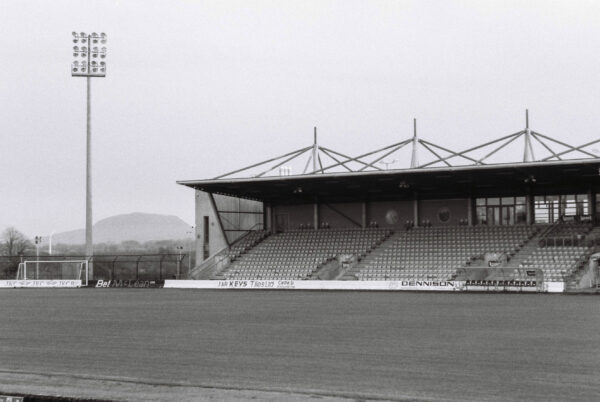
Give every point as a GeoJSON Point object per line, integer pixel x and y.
{"type": "Point", "coordinates": [20, 283]}
{"type": "Point", "coordinates": [555, 287]}
{"type": "Point", "coordinates": [315, 285]}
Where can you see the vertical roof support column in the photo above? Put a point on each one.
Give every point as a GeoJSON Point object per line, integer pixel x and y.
{"type": "Point", "coordinates": [470, 210]}
{"type": "Point", "coordinates": [316, 214]}
{"type": "Point", "coordinates": [591, 198]}
{"type": "Point", "coordinates": [528, 150]}
{"type": "Point", "coordinates": [268, 216]}
{"type": "Point", "coordinates": [364, 215]}
{"type": "Point", "coordinates": [416, 209]}
{"type": "Point", "coordinates": [530, 208]}
{"type": "Point", "coordinates": [315, 152]}
{"type": "Point", "coordinates": [413, 160]}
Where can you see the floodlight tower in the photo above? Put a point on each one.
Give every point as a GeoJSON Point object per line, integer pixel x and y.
{"type": "Point", "coordinates": [89, 54]}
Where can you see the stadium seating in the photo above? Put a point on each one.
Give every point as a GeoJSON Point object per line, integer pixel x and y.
{"type": "Point", "coordinates": [435, 253]}
{"type": "Point", "coordinates": [299, 254]}
{"type": "Point", "coordinates": [430, 253]}
{"type": "Point", "coordinates": [557, 263]}
{"type": "Point", "coordinates": [566, 234]}
{"type": "Point", "coordinates": [246, 243]}
{"type": "Point", "coordinates": [562, 250]}
{"type": "Point", "coordinates": [570, 229]}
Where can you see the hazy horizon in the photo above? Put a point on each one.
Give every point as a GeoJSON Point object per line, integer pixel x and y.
{"type": "Point", "coordinates": [195, 89]}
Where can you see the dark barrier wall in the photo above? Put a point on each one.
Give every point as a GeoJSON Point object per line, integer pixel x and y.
{"type": "Point", "coordinates": [443, 212]}
{"type": "Point", "coordinates": [341, 215]}
{"type": "Point", "coordinates": [390, 213]}
{"type": "Point", "coordinates": [294, 215]}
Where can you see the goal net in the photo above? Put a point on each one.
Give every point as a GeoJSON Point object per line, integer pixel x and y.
{"type": "Point", "coordinates": [54, 270]}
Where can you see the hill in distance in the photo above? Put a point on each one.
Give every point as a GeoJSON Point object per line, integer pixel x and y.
{"type": "Point", "coordinates": [136, 226]}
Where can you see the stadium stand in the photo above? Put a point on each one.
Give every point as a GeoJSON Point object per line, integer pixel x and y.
{"type": "Point", "coordinates": [455, 217]}
{"type": "Point", "coordinates": [299, 254]}
{"type": "Point", "coordinates": [423, 253]}
{"type": "Point", "coordinates": [437, 252]}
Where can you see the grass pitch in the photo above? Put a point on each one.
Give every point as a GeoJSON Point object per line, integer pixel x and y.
{"type": "Point", "coordinates": [177, 344]}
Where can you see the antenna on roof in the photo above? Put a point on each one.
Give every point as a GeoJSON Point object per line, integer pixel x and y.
{"type": "Point", "coordinates": [413, 161]}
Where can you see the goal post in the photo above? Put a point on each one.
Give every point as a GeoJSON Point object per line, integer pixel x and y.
{"type": "Point", "coordinates": [54, 270]}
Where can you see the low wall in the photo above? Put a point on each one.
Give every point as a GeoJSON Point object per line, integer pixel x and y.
{"type": "Point", "coordinates": [437, 286]}
{"type": "Point", "coordinates": [66, 283]}
{"type": "Point", "coordinates": [315, 285]}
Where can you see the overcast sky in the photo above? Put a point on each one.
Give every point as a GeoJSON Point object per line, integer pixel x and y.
{"type": "Point", "coordinates": [198, 88]}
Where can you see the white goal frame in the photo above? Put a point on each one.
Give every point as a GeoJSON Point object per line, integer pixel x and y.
{"type": "Point", "coordinates": [83, 273]}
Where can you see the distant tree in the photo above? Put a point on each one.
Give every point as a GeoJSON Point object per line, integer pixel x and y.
{"type": "Point", "coordinates": [13, 242]}
{"type": "Point", "coordinates": [130, 246]}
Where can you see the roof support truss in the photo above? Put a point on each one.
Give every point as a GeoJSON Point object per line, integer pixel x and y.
{"type": "Point", "coordinates": [370, 159]}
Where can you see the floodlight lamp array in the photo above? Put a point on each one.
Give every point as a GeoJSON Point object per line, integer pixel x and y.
{"type": "Point", "coordinates": [89, 60]}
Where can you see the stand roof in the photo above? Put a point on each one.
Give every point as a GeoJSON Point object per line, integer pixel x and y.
{"type": "Point", "coordinates": [446, 174]}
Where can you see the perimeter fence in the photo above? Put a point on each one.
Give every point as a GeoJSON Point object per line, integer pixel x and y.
{"type": "Point", "coordinates": [139, 267]}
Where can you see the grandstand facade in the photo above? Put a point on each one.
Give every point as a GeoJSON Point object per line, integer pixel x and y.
{"type": "Point", "coordinates": [515, 224]}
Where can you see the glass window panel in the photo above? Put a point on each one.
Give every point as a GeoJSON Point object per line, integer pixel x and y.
{"type": "Point", "coordinates": [520, 214]}
{"type": "Point", "coordinates": [508, 215]}
{"type": "Point", "coordinates": [508, 200]}
{"type": "Point", "coordinates": [582, 197]}
{"type": "Point", "coordinates": [567, 209]}
{"type": "Point", "coordinates": [521, 200]}
{"type": "Point", "coordinates": [481, 216]}
{"type": "Point", "coordinates": [581, 208]}
{"type": "Point", "coordinates": [480, 201]}
{"type": "Point", "coordinates": [496, 216]}
{"type": "Point", "coordinates": [541, 215]}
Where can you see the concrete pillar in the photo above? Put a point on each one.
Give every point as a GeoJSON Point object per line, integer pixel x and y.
{"type": "Point", "coordinates": [530, 209]}
{"type": "Point", "coordinates": [268, 216]}
{"type": "Point", "coordinates": [316, 215]}
{"type": "Point", "coordinates": [199, 219]}
{"type": "Point", "coordinates": [416, 209]}
{"type": "Point", "coordinates": [470, 210]}
{"type": "Point", "coordinates": [592, 204]}
{"type": "Point", "coordinates": [364, 215]}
